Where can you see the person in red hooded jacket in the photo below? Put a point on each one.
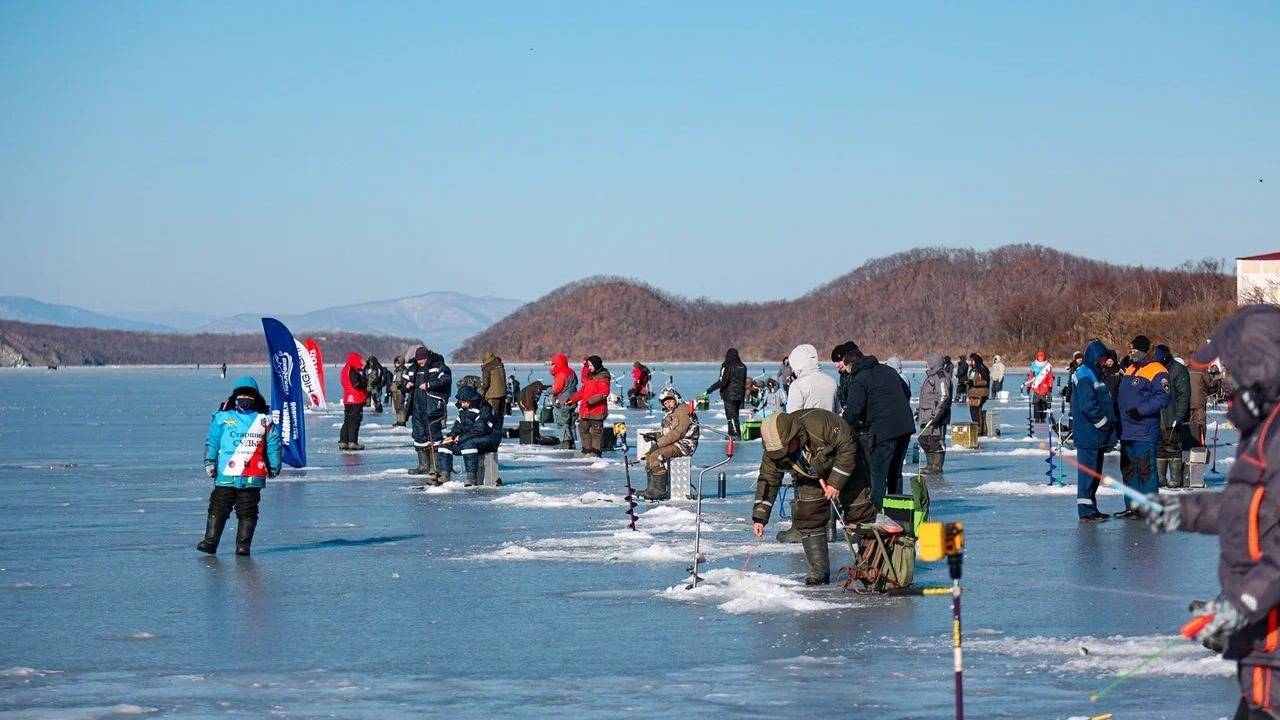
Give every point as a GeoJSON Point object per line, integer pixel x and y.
{"type": "Point", "coordinates": [564, 386]}
{"type": "Point", "coordinates": [593, 404]}
{"type": "Point", "coordinates": [353, 398]}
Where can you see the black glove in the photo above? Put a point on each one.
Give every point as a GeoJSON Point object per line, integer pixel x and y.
{"type": "Point", "coordinates": [1133, 414]}
{"type": "Point", "coordinates": [273, 472]}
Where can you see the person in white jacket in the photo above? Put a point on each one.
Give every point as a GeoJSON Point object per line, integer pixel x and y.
{"type": "Point", "coordinates": [812, 388]}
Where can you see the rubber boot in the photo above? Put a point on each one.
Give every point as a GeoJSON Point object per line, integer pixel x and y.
{"type": "Point", "coordinates": [445, 476]}
{"type": "Point", "coordinates": [942, 456]}
{"type": "Point", "coordinates": [815, 551]}
{"type": "Point", "coordinates": [244, 534]}
{"type": "Point", "coordinates": [790, 535]}
{"type": "Point", "coordinates": [212, 534]}
{"type": "Point", "coordinates": [471, 479]}
{"type": "Point", "coordinates": [648, 490]}
{"type": "Point", "coordinates": [1175, 472]}
{"type": "Point", "coordinates": [1162, 472]}
{"type": "Point", "coordinates": [660, 487]}
{"type": "Point", "coordinates": [424, 457]}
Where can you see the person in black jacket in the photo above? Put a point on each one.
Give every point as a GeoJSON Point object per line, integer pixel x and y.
{"type": "Point", "coordinates": [429, 385]}
{"type": "Point", "coordinates": [962, 379]}
{"type": "Point", "coordinates": [877, 407]}
{"type": "Point", "coordinates": [733, 389]}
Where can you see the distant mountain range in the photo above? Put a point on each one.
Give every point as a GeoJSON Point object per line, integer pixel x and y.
{"type": "Point", "coordinates": [29, 310]}
{"type": "Point", "coordinates": [440, 319]}
{"type": "Point", "coordinates": [1013, 300]}
{"type": "Point", "coordinates": [25, 344]}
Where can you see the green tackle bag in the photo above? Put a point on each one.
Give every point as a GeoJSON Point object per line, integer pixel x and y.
{"type": "Point", "coordinates": [909, 511]}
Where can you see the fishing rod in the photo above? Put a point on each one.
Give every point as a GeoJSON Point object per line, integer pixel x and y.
{"type": "Point", "coordinates": [1108, 481]}
{"type": "Point", "coordinates": [1188, 631]}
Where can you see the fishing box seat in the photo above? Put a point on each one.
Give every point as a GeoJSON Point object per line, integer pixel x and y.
{"type": "Point", "coordinates": [488, 474]}
{"type": "Point", "coordinates": [679, 470]}
{"type": "Point", "coordinates": [751, 429]}
{"type": "Point", "coordinates": [965, 434]}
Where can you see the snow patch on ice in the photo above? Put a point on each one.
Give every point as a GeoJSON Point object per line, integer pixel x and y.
{"type": "Point", "coordinates": [84, 713]}
{"type": "Point", "coordinates": [739, 593]}
{"type": "Point", "coordinates": [1019, 489]}
{"type": "Point", "coordinates": [20, 671]}
{"type": "Point", "coordinates": [538, 500]}
{"type": "Point", "coordinates": [1109, 655]}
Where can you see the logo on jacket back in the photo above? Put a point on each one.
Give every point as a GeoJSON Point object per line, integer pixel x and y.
{"type": "Point", "coordinates": [284, 369]}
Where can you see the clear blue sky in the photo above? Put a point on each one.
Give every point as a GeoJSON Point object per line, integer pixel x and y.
{"type": "Point", "coordinates": [164, 154]}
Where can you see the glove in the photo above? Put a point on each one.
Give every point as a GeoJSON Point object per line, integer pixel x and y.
{"type": "Point", "coordinates": [1133, 414]}
{"type": "Point", "coordinates": [211, 470]}
{"type": "Point", "coordinates": [272, 472]}
{"type": "Point", "coordinates": [1166, 518]}
{"type": "Point", "coordinates": [1226, 620]}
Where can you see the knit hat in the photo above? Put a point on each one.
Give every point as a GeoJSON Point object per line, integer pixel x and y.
{"type": "Point", "coordinates": [421, 353]}
{"type": "Point", "coordinates": [1141, 343]}
{"type": "Point", "coordinates": [844, 348]}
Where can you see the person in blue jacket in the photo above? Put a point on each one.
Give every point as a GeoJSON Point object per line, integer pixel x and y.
{"type": "Point", "coordinates": [1144, 392]}
{"type": "Point", "coordinates": [1093, 419]}
{"type": "Point", "coordinates": [477, 430]}
{"type": "Point", "coordinates": [241, 451]}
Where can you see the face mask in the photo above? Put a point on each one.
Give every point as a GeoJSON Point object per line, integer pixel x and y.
{"type": "Point", "coordinates": [1245, 410]}
{"type": "Point", "coordinates": [245, 404]}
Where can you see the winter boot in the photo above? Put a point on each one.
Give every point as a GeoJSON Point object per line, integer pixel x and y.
{"type": "Point", "coordinates": [790, 535]}
{"type": "Point", "coordinates": [816, 552]}
{"type": "Point", "coordinates": [424, 458]}
{"type": "Point", "coordinates": [343, 446]}
{"type": "Point", "coordinates": [1175, 472]}
{"type": "Point", "coordinates": [659, 487]}
{"type": "Point", "coordinates": [472, 479]}
{"type": "Point", "coordinates": [212, 534]}
{"type": "Point", "coordinates": [355, 446]}
{"type": "Point", "coordinates": [445, 476]}
{"type": "Point", "coordinates": [244, 534]}
{"type": "Point", "coordinates": [648, 485]}
{"type": "Point", "coordinates": [1162, 472]}
{"type": "Point", "coordinates": [935, 461]}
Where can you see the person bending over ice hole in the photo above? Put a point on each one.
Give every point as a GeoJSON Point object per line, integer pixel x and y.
{"type": "Point", "coordinates": [816, 447]}
{"type": "Point", "coordinates": [241, 451]}
{"type": "Point", "coordinates": [1244, 516]}
{"type": "Point", "coordinates": [477, 430]}
{"type": "Point", "coordinates": [678, 438]}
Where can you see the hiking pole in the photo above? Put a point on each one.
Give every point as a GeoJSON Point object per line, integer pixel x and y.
{"type": "Point", "coordinates": [938, 540]}
{"type": "Point", "coordinates": [697, 516]}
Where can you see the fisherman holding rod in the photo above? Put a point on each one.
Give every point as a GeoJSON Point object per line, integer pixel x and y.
{"type": "Point", "coordinates": [1243, 622]}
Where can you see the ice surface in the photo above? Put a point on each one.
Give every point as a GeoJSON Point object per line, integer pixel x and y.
{"type": "Point", "coordinates": [367, 599]}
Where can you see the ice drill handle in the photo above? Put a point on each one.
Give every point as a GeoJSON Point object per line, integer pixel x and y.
{"type": "Point", "coordinates": [1195, 625]}
{"type": "Point", "coordinates": [728, 449]}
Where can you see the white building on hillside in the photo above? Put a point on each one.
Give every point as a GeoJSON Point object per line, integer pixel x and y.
{"type": "Point", "coordinates": [1258, 279]}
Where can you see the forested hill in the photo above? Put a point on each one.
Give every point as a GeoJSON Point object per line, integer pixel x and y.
{"type": "Point", "coordinates": [24, 344]}
{"type": "Point", "coordinates": [1012, 300]}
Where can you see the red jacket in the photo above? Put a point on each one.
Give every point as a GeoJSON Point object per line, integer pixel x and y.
{"type": "Point", "coordinates": [353, 393]}
{"type": "Point", "coordinates": [559, 372]}
{"type": "Point", "coordinates": [596, 386]}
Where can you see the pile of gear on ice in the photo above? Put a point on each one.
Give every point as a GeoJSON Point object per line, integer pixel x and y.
{"type": "Point", "coordinates": [844, 443]}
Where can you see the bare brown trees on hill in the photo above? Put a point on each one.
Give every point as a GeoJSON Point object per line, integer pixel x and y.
{"type": "Point", "coordinates": [1012, 300]}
